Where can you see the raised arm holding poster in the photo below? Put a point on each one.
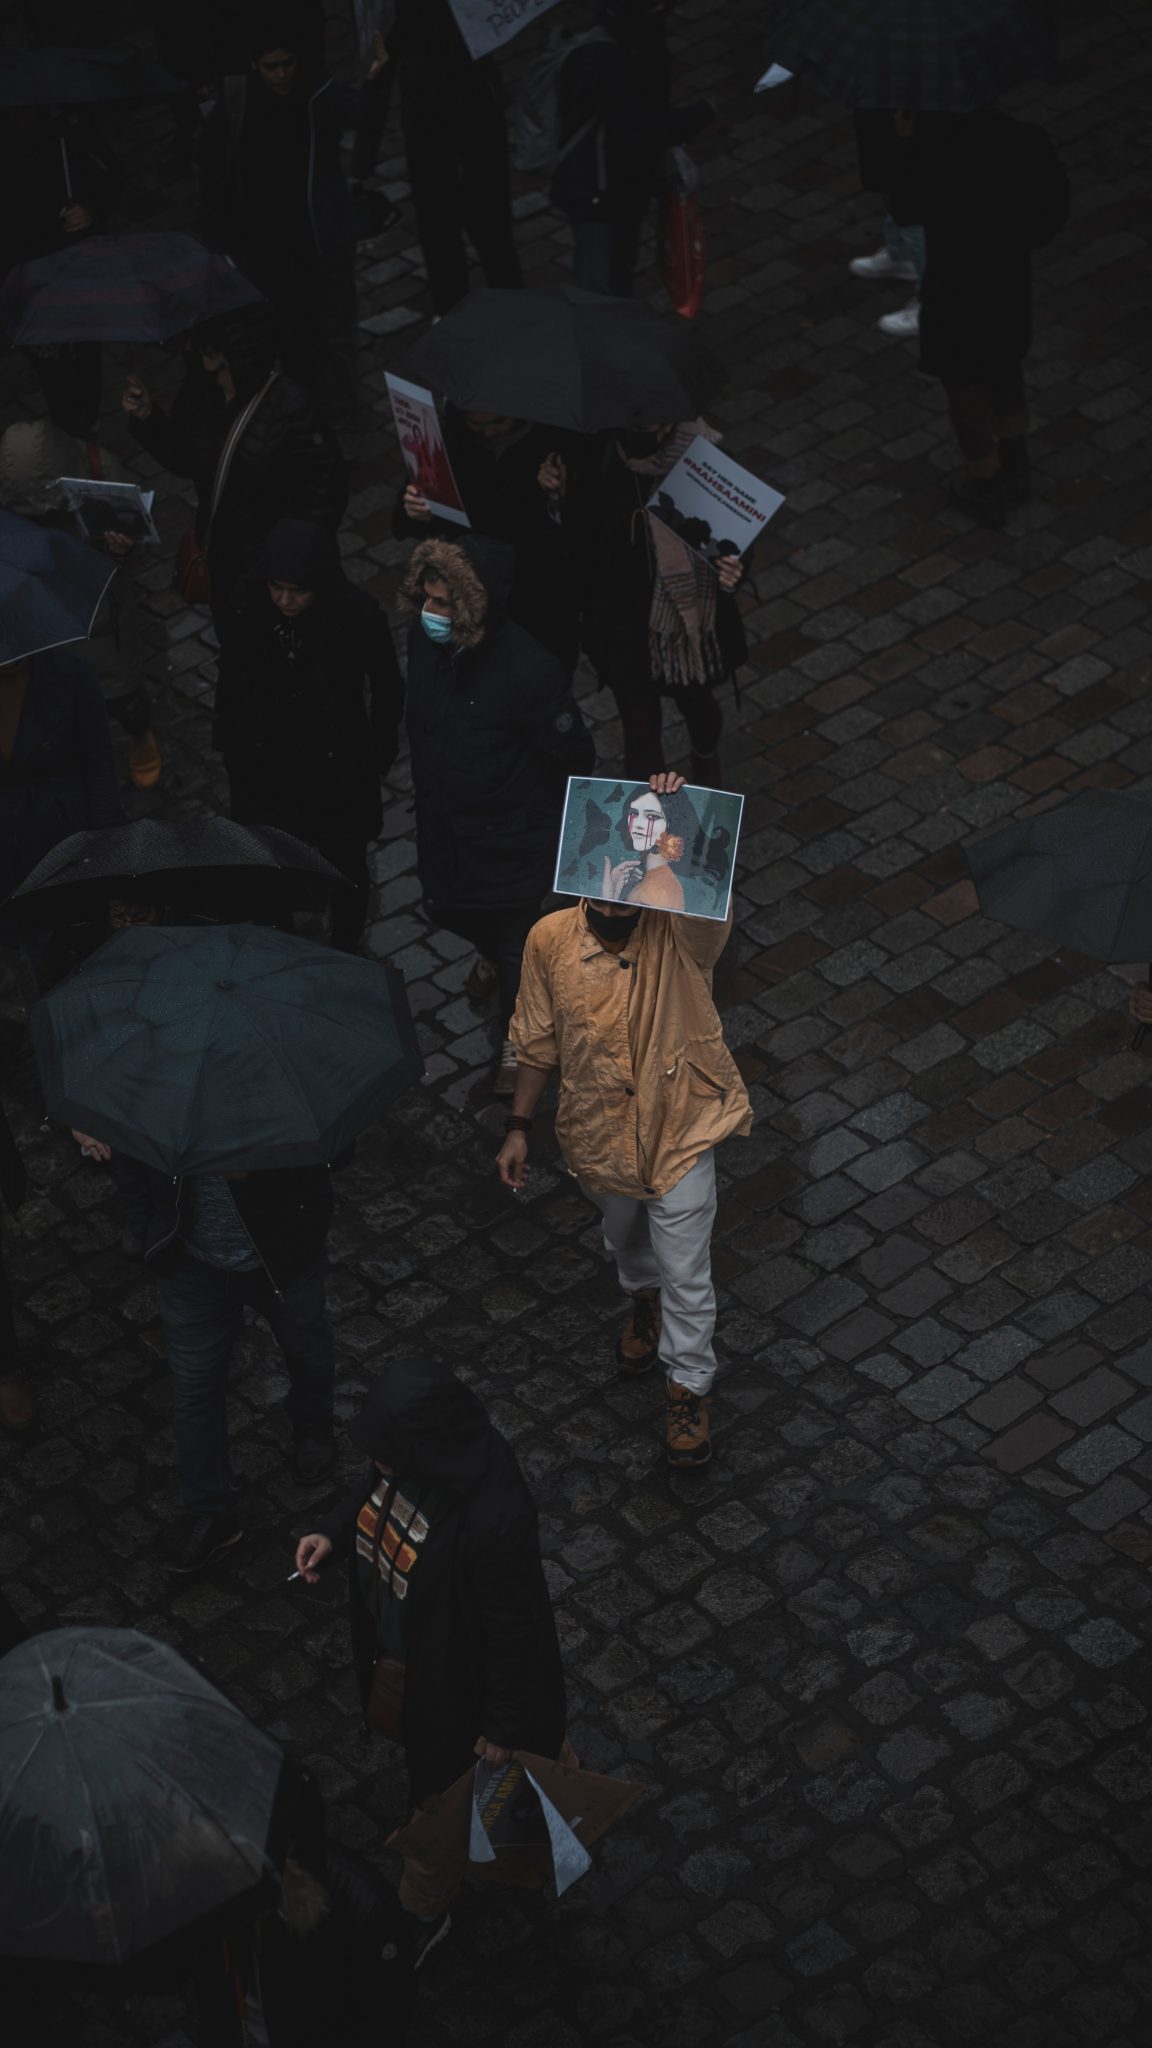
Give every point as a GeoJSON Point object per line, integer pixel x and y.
{"type": "Point", "coordinates": [422, 446]}
{"type": "Point", "coordinates": [621, 842]}
{"type": "Point", "coordinates": [712, 504]}
{"type": "Point", "coordinates": [485, 24]}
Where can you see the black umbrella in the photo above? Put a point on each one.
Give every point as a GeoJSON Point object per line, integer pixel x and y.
{"type": "Point", "coordinates": [224, 1049]}
{"type": "Point", "coordinates": [51, 587]}
{"type": "Point", "coordinates": [55, 75]}
{"type": "Point", "coordinates": [135, 1800]}
{"type": "Point", "coordinates": [945, 55]}
{"type": "Point", "coordinates": [566, 358]}
{"type": "Point", "coordinates": [134, 287]}
{"type": "Point", "coordinates": [1079, 873]}
{"type": "Point", "coordinates": [201, 866]}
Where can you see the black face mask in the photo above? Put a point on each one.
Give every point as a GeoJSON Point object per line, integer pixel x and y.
{"type": "Point", "coordinates": [610, 928]}
{"type": "Point", "coordinates": [641, 441]}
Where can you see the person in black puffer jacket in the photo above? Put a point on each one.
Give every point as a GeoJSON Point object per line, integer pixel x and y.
{"type": "Point", "coordinates": [308, 706]}
{"type": "Point", "coordinates": [285, 462]}
{"type": "Point", "coordinates": [495, 733]}
{"type": "Point", "coordinates": [447, 1591]}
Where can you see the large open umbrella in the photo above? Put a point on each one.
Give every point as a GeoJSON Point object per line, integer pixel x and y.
{"type": "Point", "coordinates": [201, 866]}
{"type": "Point", "coordinates": [566, 358]}
{"type": "Point", "coordinates": [132, 287]}
{"type": "Point", "coordinates": [224, 1049]}
{"type": "Point", "coordinates": [50, 587]}
{"type": "Point", "coordinates": [1079, 873]}
{"type": "Point", "coordinates": [58, 75]}
{"type": "Point", "coordinates": [946, 55]}
{"type": "Point", "coordinates": [135, 1801]}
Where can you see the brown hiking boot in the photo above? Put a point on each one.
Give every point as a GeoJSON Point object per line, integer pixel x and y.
{"type": "Point", "coordinates": [638, 1344]}
{"type": "Point", "coordinates": [687, 1438]}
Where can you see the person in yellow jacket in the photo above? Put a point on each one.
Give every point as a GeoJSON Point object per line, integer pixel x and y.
{"type": "Point", "coordinates": [619, 1000]}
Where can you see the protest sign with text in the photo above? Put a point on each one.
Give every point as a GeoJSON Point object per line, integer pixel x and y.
{"type": "Point", "coordinates": [423, 449]}
{"type": "Point", "coordinates": [485, 24]}
{"type": "Point", "coordinates": [712, 504]}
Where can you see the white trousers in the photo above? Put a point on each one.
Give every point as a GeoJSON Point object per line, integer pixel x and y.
{"type": "Point", "coordinates": [666, 1242]}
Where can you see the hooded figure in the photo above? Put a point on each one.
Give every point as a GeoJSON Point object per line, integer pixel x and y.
{"type": "Point", "coordinates": [446, 1582]}
{"type": "Point", "coordinates": [495, 732]}
{"type": "Point", "coordinates": [274, 194]}
{"type": "Point", "coordinates": [308, 706]}
{"type": "Point", "coordinates": [34, 455]}
{"type": "Point", "coordinates": [282, 462]}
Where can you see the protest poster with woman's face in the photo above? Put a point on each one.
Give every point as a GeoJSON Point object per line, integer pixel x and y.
{"type": "Point", "coordinates": [622, 843]}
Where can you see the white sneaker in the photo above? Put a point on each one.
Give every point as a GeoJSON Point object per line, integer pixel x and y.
{"type": "Point", "coordinates": [883, 264]}
{"type": "Point", "coordinates": [905, 324]}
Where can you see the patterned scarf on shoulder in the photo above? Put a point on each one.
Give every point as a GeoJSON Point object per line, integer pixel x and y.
{"type": "Point", "coordinates": [682, 621]}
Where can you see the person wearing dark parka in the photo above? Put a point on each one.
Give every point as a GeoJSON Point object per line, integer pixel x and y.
{"type": "Point", "coordinates": [495, 732]}
{"type": "Point", "coordinates": [453, 1636]}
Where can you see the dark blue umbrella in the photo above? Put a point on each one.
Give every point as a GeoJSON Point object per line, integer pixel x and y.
{"type": "Point", "coordinates": [50, 587]}
{"type": "Point", "coordinates": [58, 75]}
{"type": "Point", "coordinates": [136, 1802]}
{"type": "Point", "coordinates": [222, 1049]}
{"type": "Point", "coordinates": [135, 287]}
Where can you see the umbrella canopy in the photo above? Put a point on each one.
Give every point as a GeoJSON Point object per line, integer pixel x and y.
{"type": "Point", "coordinates": [135, 1800]}
{"type": "Point", "coordinates": [225, 1048]}
{"type": "Point", "coordinates": [56, 75]}
{"type": "Point", "coordinates": [208, 862]}
{"type": "Point", "coordinates": [947, 55]}
{"type": "Point", "coordinates": [50, 587]}
{"type": "Point", "coordinates": [1079, 874]}
{"type": "Point", "coordinates": [566, 358]}
{"type": "Point", "coordinates": [135, 287]}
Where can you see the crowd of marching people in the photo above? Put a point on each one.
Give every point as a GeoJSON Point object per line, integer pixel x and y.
{"type": "Point", "coordinates": [556, 557]}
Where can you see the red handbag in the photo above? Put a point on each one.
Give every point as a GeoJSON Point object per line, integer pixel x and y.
{"type": "Point", "coordinates": [682, 244]}
{"type": "Point", "coordinates": [190, 577]}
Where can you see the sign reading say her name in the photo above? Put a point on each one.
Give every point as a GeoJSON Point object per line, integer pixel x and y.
{"type": "Point", "coordinates": [485, 24]}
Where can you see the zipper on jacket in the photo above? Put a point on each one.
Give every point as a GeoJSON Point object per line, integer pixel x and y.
{"type": "Point", "coordinates": [177, 1182]}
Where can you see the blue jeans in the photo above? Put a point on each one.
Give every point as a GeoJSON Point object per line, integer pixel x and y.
{"type": "Point", "coordinates": [905, 244]}
{"type": "Point", "coordinates": [604, 254]}
{"type": "Point", "coordinates": [202, 1309]}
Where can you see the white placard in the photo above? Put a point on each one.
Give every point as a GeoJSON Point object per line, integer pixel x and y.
{"type": "Point", "coordinates": [712, 504]}
{"type": "Point", "coordinates": [422, 446]}
{"type": "Point", "coordinates": [486, 24]}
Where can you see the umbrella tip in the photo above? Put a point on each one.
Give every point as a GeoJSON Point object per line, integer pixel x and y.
{"type": "Point", "coordinates": [58, 1699]}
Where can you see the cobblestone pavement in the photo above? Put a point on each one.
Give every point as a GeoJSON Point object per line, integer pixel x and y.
{"type": "Point", "coordinates": [884, 1668]}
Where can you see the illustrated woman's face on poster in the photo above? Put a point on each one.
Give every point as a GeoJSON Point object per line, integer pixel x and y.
{"type": "Point", "coordinates": [646, 821]}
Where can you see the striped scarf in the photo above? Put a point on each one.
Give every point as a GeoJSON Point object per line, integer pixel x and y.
{"type": "Point", "coordinates": [682, 621]}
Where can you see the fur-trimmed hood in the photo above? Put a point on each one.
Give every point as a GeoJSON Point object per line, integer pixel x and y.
{"type": "Point", "coordinates": [478, 575]}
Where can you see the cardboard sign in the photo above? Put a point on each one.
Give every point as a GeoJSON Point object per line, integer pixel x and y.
{"type": "Point", "coordinates": [621, 843]}
{"type": "Point", "coordinates": [423, 449]}
{"type": "Point", "coordinates": [486, 24]}
{"type": "Point", "coordinates": [714, 506]}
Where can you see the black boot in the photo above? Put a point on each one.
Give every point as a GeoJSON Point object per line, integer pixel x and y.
{"type": "Point", "coordinates": [1016, 469]}
{"type": "Point", "coordinates": [984, 498]}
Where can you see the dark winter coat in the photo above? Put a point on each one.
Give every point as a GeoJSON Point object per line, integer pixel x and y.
{"type": "Point", "coordinates": [13, 1177]}
{"type": "Point", "coordinates": [285, 1210]}
{"type": "Point", "coordinates": [285, 464]}
{"type": "Point", "coordinates": [317, 700]}
{"type": "Point", "coordinates": [989, 189]}
{"type": "Point", "coordinates": [494, 732]}
{"type": "Point", "coordinates": [481, 1651]}
{"type": "Point", "coordinates": [334, 1968]}
{"type": "Point", "coordinates": [62, 776]}
{"type": "Point", "coordinates": [611, 172]}
{"type": "Point", "coordinates": [503, 500]}
{"type": "Point", "coordinates": [317, 202]}
{"type": "Point", "coordinates": [619, 568]}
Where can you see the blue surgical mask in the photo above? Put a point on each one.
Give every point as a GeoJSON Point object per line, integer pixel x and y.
{"type": "Point", "coordinates": [437, 627]}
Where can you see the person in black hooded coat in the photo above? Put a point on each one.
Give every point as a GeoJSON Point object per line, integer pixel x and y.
{"type": "Point", "coordinates": [284, 463]}
{"type": "Point", "coordinates": [495, 732]}
{"type": "Point", "coordinates": [445, 1579]}
{"type": "Point", "coordinates": [308, 706]}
